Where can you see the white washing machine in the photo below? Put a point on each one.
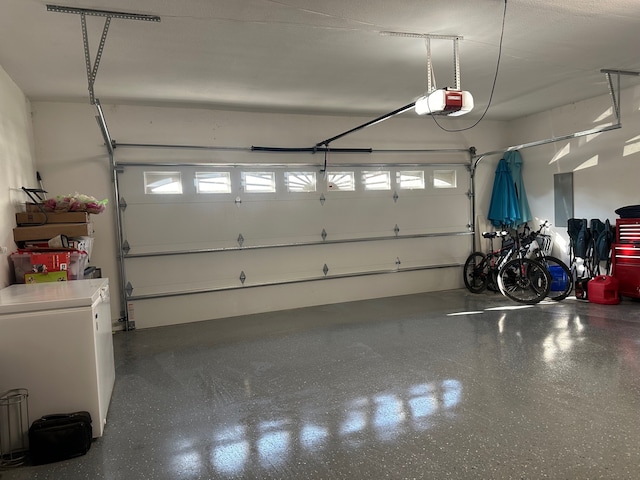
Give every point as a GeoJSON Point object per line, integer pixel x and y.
{"type": "Point", "coordinates": [56, 341]}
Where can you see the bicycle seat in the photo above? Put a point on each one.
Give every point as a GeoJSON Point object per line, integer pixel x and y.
{"type": "Point", "coordinates": [494, 234]}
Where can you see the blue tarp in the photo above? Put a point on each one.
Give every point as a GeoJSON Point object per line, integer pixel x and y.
{"type": "Point", "coordinates": [503, 209]}
{"type": "Point", "coordinates": [514, 161]}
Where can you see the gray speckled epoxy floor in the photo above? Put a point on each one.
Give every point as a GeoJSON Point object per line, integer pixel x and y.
{"type": "Point", "coordinates": [433, 386]}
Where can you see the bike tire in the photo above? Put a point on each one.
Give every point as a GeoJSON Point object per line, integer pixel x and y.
{"type": "Point", "coordinates": [474, 272]}
{"type": "Point", "coordinates": [561, 278]}
{"type": "Point", "coordinates": [524, 281]}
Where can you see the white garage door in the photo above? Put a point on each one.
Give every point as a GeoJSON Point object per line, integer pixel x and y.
{"type": "Point", "coordinates": [197, 230]}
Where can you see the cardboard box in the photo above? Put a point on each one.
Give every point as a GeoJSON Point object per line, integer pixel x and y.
{"type": "Point", "coordinates": [39, 218]}
{"type": "Point", "coordinates": [51, 261]}
{"type": "Point", "coordinates": [32, 208]}
{"type": "Point", "coordinates": [50, 230]}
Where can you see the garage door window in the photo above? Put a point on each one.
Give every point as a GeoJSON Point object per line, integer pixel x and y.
{"type": "Point", "coordinates": [411, 180]}
{"type": "Point", "coordinates": [162, 183]}
{"type": "Point", "coordinates": [444, 179]}
{"type": "Point", "coordinates": [259, 182]}
{"type": "Point", "coordinates": [376, 180]}
{"type": "Point", "coordinates": [344, 181]}
{"type": "Point", "coordinates": [300, 181]}
{"type": "Point", "coordinates": [213, 182]}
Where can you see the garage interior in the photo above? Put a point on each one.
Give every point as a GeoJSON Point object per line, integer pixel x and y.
{"type": "Point", "coordinates": [284, 235]}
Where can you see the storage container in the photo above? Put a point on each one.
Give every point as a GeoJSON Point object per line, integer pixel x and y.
{"type": "Point", "coordinates": [559, 278]}
{"type": "Point", "coordinates": [36, 262]}
{"type": "Point", "coordinates": [604, 289]}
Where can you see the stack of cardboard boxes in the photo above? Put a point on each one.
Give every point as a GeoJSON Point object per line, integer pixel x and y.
{"type": "Point", "coordinates": [42, 257]}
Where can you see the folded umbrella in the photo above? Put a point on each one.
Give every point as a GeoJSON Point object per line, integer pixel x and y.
{"type": "Point", "coordinates": [503, 208]}
{"type": "Point", "coordinates": [514, 161]}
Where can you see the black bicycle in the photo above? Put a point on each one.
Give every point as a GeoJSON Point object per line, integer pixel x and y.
{"type": "Point", "coordinates": [481, 270]}
{"type": "Point", "coordinates": [506, 269]}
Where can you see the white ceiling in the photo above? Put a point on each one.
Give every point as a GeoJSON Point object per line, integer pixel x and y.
{"type": "Point", "coordinates": [323, 56]}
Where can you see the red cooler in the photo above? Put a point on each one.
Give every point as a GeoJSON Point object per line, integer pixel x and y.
{"type": "Point", "coordinates": [604, 289]}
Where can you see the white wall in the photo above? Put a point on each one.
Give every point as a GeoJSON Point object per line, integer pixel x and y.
{"type": "Point", "coordinates": [606, 166]}
{"type": "Point", "coordinates": [71, 156]}
{"type": "Point", "coordinates": [17, 167]}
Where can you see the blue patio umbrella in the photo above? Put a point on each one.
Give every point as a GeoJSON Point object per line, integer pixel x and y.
{"type": "Point", "coordinates": [503, 209]}
{"type": "Point", "coordinates": [514, 161]}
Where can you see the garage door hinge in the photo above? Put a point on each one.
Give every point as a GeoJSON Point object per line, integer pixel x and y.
{"type": "Point", "coordinates": [323, 234]}
{"type": "Point", "coordinates": [240, 239]}
{"type": "Point", "coordinates": [123, 204]}
{"type": "Point", "coordinates": [396, 229]}
{"type": "Point", "coordinates": [128, 289]}
{"type": "Point", "coordinates": [322, 199]}
{"type": "Point", "coordinates": [126, 247]}
{"type": "Point", "coordinates": [325, 269]}
{"type": "Point", "coordinates": [243, 277]}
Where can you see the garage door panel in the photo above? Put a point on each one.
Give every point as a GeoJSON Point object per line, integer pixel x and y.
{"type": "Point", "coordinates": [223, 269]}
{"type": "Point", "coordinates": [153, 227]}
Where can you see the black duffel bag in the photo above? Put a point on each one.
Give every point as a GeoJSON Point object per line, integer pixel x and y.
{"type": "Point", "coordinates": [60, 436]}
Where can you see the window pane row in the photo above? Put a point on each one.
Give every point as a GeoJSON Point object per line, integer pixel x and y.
{"type": "Point", "coordinates": [170, 183]}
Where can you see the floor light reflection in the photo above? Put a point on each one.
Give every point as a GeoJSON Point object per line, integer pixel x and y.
{"type": "Point", "coordinates": [452, 393]}
{"type": "Point", "coordinates": [423, 403]}
{"type": "Point", "coordinates": [270, 442]}
{"type": "Point", "coordinates": [188, 465]}
{"type": "Point", "coordinates": [232, 452]}
{"type": "Point", "coordinates": [273, 447]}
{"type": "Point", "coordinates": [356, 417]}
{"type": "Point", "coordinates": [503, 317]}
{"type": "Point", "coordinates": [507, 307]}
{"type": "Point", "coordinates": [388, 416]}
{"type": "Point", "coordinates": [313, 437]}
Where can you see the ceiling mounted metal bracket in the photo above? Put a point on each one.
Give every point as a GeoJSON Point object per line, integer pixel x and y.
{"type": "Point", "coordinates": [615, 99]}
{"type": "Point", "coordinates": [427, 39]}
{"type": "Point", "coordinates": [102, 13]}
{"type": "Point", "coordinates": [615, 94]}
{"type": "Point", "coordinates": [92, 71]}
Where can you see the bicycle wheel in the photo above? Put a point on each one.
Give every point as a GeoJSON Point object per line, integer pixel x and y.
{"type": "Point", "coordinates": [561, 277]}
{"type": "Point", "coordinates": [474, 272]}
{"type": "Point", "coordinates": [524, 281]}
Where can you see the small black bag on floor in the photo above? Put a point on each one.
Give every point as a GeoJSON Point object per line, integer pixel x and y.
{"type": "Point", "coordinates": [60, 436]}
